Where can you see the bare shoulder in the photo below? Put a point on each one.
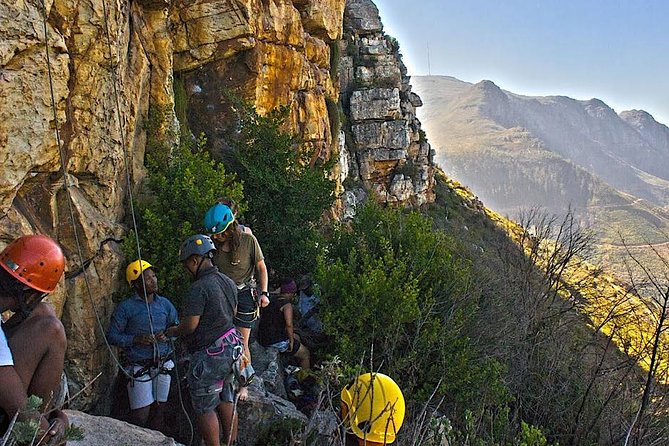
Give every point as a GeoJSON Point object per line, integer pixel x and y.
{"type": "Point", "coordinates": [43, 309]}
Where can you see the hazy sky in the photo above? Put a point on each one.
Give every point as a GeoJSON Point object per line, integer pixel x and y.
{"type": "Point", "coordinates": [613, 50]}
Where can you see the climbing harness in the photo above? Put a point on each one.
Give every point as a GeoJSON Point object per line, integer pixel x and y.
{"type": "Point", "coordinates": [150, 367]}
{"type": "Point", "coordinates": [251, 287]}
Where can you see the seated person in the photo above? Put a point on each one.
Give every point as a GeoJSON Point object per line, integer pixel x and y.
{"type": "Point", "coordinates": [309, 326]}
{"type": "Point", "coordinates": [142, 337]}
{"type": "Point", "coordinates": [32, 342]}
{"type": "Point", "coordinates": [308, 306]}
{"type": "Point", "coordinates": [276, 325]}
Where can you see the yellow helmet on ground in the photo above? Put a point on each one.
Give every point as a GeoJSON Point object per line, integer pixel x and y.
{"type": "Point", "coordinates": [135, 269]}
{"type": "Point", "coordinates": [373, 408]}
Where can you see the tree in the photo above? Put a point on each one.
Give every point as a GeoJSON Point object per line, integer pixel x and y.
{"type": "Point", "coordinates": [183, 182]}
{"type": "Point", "coordinates": [656, 301]}
{"type": "Point", "coordinates": [287, 190]}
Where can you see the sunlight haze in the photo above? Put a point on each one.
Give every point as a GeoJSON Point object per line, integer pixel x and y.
{"type": "Point", "coordinates": [615, 51]}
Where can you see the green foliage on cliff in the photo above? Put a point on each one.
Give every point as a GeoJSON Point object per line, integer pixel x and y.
{"type": "Point", "coordinates": [287, 189]}
{"type": "Point", "coordinates": [392, 284]}
{"type": "Point", "coordinates": [183, 182]}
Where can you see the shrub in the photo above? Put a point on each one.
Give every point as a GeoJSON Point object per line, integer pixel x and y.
{"type": "Point", "coordinates": [287, 189]}
{"type": "Point", "coordinates": [392, 283]}
{"type": "Point", "coordinates": [183, 183]}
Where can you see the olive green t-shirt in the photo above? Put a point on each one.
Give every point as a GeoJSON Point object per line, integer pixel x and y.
{"type": "Point", "coordinates": [240, 265]}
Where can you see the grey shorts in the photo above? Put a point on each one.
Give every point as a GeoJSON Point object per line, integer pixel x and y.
{"type": "Point", "coordinates": [210, 376]}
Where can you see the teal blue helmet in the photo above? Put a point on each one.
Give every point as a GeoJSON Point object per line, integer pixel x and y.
{"type": "Point", "coordinates": [199, 244]}
{"type": "Point", "coordinates": [218, 218]}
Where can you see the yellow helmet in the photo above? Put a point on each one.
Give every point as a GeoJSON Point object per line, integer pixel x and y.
{"type": "Point", "coordinates": [135, 269]}
{"type": "Point", "coordinates": [373, 408]}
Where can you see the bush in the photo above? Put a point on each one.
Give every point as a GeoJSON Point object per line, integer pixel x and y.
{"type": "Point", "coordinates": [287, 190]}
{"type": "Point", "coordinates": [392, 283]}
{"type": "Point", "coordinates": [183, 183]}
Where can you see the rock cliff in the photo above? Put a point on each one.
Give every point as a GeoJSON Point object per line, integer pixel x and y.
{"type": "Point", "coordinates": [385, 150]}
{"type": "Point", "coordinates": [111, 62]}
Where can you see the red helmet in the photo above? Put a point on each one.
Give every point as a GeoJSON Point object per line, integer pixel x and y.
{"type": "Point", "coordinates": [34, 260]}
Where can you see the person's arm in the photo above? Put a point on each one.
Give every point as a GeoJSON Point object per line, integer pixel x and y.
{"type": "Point", "coordinates": [117, 326]}
{"type": "Point", "coordinates": [261, 271]}
{"type": "Point", "coordinates": [172, 317]}
{"type": "Point", "coordinates": [287, 310]}
{"type": "Point", "coordinates": [13, 399]}
{"type": "Point", "coordinates": [13, 396]}
{"type": "Point", "coordinates": [187, 326]}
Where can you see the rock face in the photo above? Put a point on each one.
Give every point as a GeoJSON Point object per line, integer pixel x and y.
{"type": "Point", "coordinates": [273, 53]}
{"type": "Point", "coordinates": [388, 155]}
{"type": "Point", "coordinates": [107, 70]}
{"type": "Point", "coordinates": [103, 431]}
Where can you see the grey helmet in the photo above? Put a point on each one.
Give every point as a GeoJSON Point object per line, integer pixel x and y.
{"type": "Point", "coordinates": [199, 244]}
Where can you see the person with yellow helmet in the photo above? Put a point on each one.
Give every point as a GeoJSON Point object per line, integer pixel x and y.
{"type": "Point", "coordinates": [138, 326]}
{"type": "Point", "coordinates": [372, 409]}
{"type": "Point", "coordinates": [32, 341]}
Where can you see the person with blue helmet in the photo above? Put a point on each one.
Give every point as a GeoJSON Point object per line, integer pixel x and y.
{"type": "Point", "coordinates": [213, 342]}
{"type": "Point", "coordinates": [238, 255]}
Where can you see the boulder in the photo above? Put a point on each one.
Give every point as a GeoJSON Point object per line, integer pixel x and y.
{"type": "Point", "coordinates": [104, 431]}
{"type": "Point", "coordinates": [362, 17]}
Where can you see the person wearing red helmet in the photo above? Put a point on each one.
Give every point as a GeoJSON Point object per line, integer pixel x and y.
{"type": "Point", "coordinates": [32, 341]}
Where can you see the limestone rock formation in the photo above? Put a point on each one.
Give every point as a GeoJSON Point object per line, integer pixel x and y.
{"type": "Point", "coordinates": [273, 53]}
{"type": "Point", "coordinates": [388, 155]}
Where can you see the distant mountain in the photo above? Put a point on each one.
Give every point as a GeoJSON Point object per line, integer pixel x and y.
{"type": "Point", "coordinates": [519, 151]}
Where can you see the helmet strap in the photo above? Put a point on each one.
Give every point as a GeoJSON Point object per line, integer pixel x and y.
{"type": "Point", "coordinates": [24, 310]}
{"type": "Point", "coordinates": [197, 270]}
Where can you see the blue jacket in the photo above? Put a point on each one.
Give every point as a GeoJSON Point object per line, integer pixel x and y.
{"type": "Point", "coordinates": [130, 320]}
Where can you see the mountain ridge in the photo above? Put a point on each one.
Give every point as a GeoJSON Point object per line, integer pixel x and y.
{"type": "Point", "coordinates": [554, 152]}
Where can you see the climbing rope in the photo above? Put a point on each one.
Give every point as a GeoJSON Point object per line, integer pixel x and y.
{"type": "Point", "coordinates": [66, 185]}
{"type": "Point", "coordinates": [126, 165]}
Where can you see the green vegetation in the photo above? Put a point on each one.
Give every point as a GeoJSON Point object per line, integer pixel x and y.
{"type": "Point", "coordinates": [287, 189]}
{"type": "Point", "coordinates": [26, 432]}
{"type": "Point", "coordinates": [335, 59]}
{"type": "Point", "coordinates": [396, 290]}
{"type": "Point", "coordinates": [335, 116]}
{"type": "Point", "coordinates": [281, 433]}
{"type": "Point", "coordinates": [183, 183]}
{"type": "Point", "coordinates": [287, 194]}
{"type": "Point", "coordinates": [181, 104]}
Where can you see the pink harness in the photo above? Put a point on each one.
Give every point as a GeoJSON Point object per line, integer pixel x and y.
{"type": "Point", "coordinates": [229, 336]}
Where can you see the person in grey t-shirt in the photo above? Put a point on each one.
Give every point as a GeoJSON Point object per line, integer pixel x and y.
{"type": "Point", "coordinates": [212, 340]}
